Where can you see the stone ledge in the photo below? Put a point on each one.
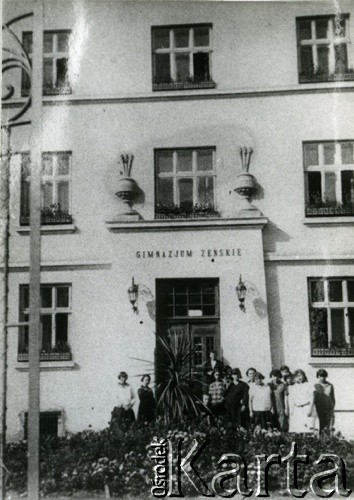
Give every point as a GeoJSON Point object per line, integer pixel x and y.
{"type": "Point", "coordinates": [49, 366]}
{"type": "Point", "coordinates": [328, 221]}
{"type": "Point", "coordinates": [332, 362]}
{"type": "Point", "coordinates": [274, 257]}
{"type": "Point", "coordinates": [50, 229]}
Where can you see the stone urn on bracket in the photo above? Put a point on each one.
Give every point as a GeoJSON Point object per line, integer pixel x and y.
{"type": "Point", "coordinates": [246, 183]}
{"type": "Point", "coordinates": [127, 189]}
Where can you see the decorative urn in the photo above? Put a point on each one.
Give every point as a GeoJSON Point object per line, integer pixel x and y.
{"type": "Point", "coordinates": [127, 187]}
{"type": "Point", "coordinates": [246, 183]}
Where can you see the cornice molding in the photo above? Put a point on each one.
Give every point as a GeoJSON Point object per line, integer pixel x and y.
{"type": "Point", "coordinates": [273, 257]}
{"type": "Point", "coordinates": [195, 95]}
{"type": "Point", "coordinates": [23, 267]}
{"type": "Point", "coordinates": [257, 222]}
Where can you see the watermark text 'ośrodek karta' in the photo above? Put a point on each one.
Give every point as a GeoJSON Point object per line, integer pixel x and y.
{"type": "Point", "coordinates": [169, 466]}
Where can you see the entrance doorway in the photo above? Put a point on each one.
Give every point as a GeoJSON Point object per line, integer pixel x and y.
{"type": "Point", "coordinates": [188, 314]}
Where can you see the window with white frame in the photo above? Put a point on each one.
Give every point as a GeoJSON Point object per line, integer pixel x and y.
{"type": "Point", "coordinates": [329, 176]}
{"type": "Point", "coordinates": [55, 62]}
{"type": "Point", "coordinates": [332, 316]}
{"type": "Point", "coordinates": [182, 57]}
{"type": "Point", "coordinates": [185, 182]}
{"type": "Point", "coordinates": [323, 48]}
{"type": "Point", "coordinates": [55, 188]}
{"type": "Point", "coordinates": [55, 313]}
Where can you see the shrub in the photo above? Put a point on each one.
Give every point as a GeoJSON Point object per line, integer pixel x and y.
{"type": "Point", "coordinates": [121, 458]}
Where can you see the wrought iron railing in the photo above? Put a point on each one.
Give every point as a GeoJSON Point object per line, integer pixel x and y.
{"type": "Point", "coordinates": [48, 219]}
{"type": "Point", "coordinates": [334, 77]}
{"type": "Point", "coordinates": [187, 215]}
{"type": "Point", "coordinates": [47, 356]}
{"type": "Point", "coordinates": [47, 90]}
{"type": "Point", "coordinates": [332, 351]}
{"type": "Point", "coordinates": [209, 84]}
{"type": "Point", "coordinates": [339, 211]}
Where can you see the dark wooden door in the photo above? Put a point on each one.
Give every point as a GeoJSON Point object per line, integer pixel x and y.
{"type": "Point", "coordinates": [188, 316]}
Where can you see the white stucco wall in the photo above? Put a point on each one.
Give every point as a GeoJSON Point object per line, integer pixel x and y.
{"type": "Point", "coordinates": [113, 109]}
{"type": "Point", "coordinates": [99, 133]}
{"type": "Point", "coordinates": [254, 43]}
{"type": "Point", "coordinates": [289, 326]}
{"type": "Point", "coordinates": [107, 337]}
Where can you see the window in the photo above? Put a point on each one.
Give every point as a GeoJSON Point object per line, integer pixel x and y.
{"type": "Point", "coordinates": [332, 316]}
{"type": "Point", "coordinates": [55, 62]}
{"type": "Point", "coordinates": [182, 57]}
{"type": "Point", "coordinates": [55, 312]}
{"type": "Point", "coordinates": [323, 48]}
{"type": "Point", "coordinates": [189, 299]}
{"type": "Point", "coordinates": [329, 176]}
{"type": "Point", "coordinates": [50, 424]}
{"type": "Point", "coordinates": [185, 183]}
{"type": "Point", "coordinates": [55, 188]}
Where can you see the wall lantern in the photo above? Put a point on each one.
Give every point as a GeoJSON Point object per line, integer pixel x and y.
{"type": "Point", "coordinates": [133, 295]}
{"type": "Point", "coordinates": [241, 293]}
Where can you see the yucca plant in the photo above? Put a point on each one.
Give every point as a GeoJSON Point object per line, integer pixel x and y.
{"type": "Point", "coordinates": [177, 382]}
{"type": "Point", "coordinates": [176, 392]}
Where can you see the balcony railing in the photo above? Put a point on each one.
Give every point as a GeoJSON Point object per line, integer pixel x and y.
{"type": "Point", "coordinates": [323, 211]}
{"type": "Point", "coordinates": [47, 356]}
{"type": "Point", "coordinates": [209, 84]}
{"type": "Point", "coordinates": [49, 219]}
{"type": "Point", "coordinates": [332, 351]}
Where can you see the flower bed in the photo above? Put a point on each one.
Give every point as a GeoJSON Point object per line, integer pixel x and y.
{"type": "Point", "coordinates": [121, 459]}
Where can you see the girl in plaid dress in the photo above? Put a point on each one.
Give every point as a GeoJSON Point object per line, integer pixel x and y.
{"type": "Point", "coordinates": [217, 395]}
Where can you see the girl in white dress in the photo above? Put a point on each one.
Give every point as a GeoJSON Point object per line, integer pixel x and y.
{"type": "Point", "coordinates": [300, 404]}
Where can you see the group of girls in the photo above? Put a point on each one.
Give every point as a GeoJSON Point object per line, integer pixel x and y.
{"type": "Point", "coordinates": [287, 402]}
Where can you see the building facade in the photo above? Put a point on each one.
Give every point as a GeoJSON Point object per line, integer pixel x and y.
{"type": "Point", "coordinates": [182, 87]}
